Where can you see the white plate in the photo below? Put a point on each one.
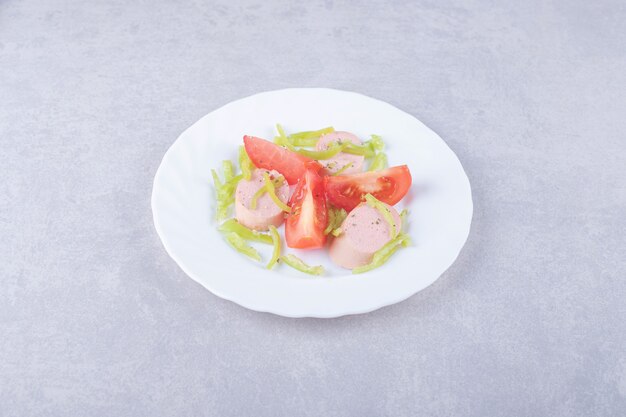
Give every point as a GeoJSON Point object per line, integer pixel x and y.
{"type": "Point", "coordinates": [183, 205]}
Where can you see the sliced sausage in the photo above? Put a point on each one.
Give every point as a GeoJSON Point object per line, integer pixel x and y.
{"type": "Point", "coordinates": [364, 231]}
{"type": "Point", "coordinates": [266, 211]}
{"type": "Point", "coordinates": [342, 159]}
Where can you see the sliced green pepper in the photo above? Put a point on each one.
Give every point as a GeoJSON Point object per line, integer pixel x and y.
{"type": "Point", "coordinates": [228, 170]}
{"type": "Point", "coordinates": [304, 142]}
{"type": "Point", "coordinates": [216, 179]}
{"type": "Point", "coordinates": [331, 221]}
{"type": "Point", "coordinates": [278, 181]}
{"type": "Point", "coordinates": [384, 211]}
{"type": "Point", "coordinates": [297, 263]}
{"type": "Point", "coordinates": [276, 241]}
{"type": "Point", "coordinates": [269, 187]}
{"type": "Point", "coordinates": [225, 191]}
{"type": "Point", "coordinates": [281, 139]}
{"type": "Point", "coordinates": [221, 212]}
{"type": "Point", "coordinates": [255, 198]}
{"type": "Point", "coordinates": [233, 226]}
{"type": "Point", "coordinates": [308, 138]}
{"type": "Point", "coordinates": [327, 153]}
{"type": "Point", "coordinates": [364, 150]}
{"type": "Point", "coordinates": [404, 215]}
{"type": "Point", "coordinates": [368, 148]}
{"type": "Point", "coordinates": [383, 254]}
{"type": "Point", "coordinates": [342, 169]}
{"type": "Point", "coordinates": [245, 163]}
{"type": "Point", "coordinates": [376, 142]}
{"type": "Point", "coordinates": [379, 162]}
{"type": "Point", "coordinates": [240, 245]}
{"type": "Point", "coordinates": [335, 218]}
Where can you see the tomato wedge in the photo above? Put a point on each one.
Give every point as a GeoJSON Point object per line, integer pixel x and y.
{"type": "Point", "coordinates": [267, 155]}
{"type": "Point", "coordinates": [389, 186]}
{"type": "Point", "coordinates": [305, 224]}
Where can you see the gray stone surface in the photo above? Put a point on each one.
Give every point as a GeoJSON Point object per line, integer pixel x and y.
{"type": "Point", "coordinates": [96, 319]}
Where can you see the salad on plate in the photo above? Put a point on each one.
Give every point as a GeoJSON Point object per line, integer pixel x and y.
{"type": "Point", "coordinates": [329, 188]}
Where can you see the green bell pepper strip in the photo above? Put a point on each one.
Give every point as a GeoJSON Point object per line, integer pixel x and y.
{"type": "Point", "coordinates": [298, 264]}
{"type": "Point", "coordinates": [364, 150]}
{"type": "Point", "coordinates": [269, 187]}
{"type": "Point", "coordinates": [221, 212]}
{"type": "Point", "coordinates": [331, 221]}
{"type": "Point", "coordinates": [342, 169]}
{"type": "Point", "coordinates": [376, 143]}
{"type": "Point", "coordinates": [383, 254]}
{"type": "Point", "coordinates": [228, 170]}
{"type": "Point", "coordinates": [216, 180]}
{"type": "Point", "coordinates": [384, 211]}
{"type": "Point", "coordinates": [305, 139]}
{"type": "Point", "coordinates": [379, 162]}
{"type": "Point", "coordinates": [225, 191]}
{"type": "Point", "coordinates": [308, 138]}
{"type": "Point", "coordinates": [281, 139]}
{"type": "Point", "coordinates": [368, 149]}
{"type": "Point", "coordinates": [233, 226]}
{"type": "Point", "coordinates": [245, 163]}
{"type": "Point", "coordinates": [327, 153]}
{"type": "Point", "coordinates": [335, 218]}
{"type": "Point", "coordinates": [303, 142]}
{"type": "Point", "coordinates": [256, 196]}
{"type": "Point", "coordinates": [276, 241]}
{"type": "Point", "coordinates": [240, 245]}
{"type": "Point", "coordinates": [404, 214]}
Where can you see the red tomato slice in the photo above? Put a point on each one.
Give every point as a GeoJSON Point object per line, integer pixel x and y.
{"type": "Point", "coordinates": [304, 227]}
{"type": "Point", "coordinates": [267, 155]}
{"type": "Point", "coordinates": [389, 186]}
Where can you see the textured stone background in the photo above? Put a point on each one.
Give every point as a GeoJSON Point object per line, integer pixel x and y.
{"type": "Point", "coordinates": [96, 319]}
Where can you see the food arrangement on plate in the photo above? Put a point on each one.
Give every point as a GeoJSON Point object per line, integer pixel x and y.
{"type": "Point", "coordinates": [184, 206]}
{"type": "Point", "coordinates": [330, 189]}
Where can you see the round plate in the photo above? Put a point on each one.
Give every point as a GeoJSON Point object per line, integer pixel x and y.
{"type": "Point", "coordinates": [183, 205]}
